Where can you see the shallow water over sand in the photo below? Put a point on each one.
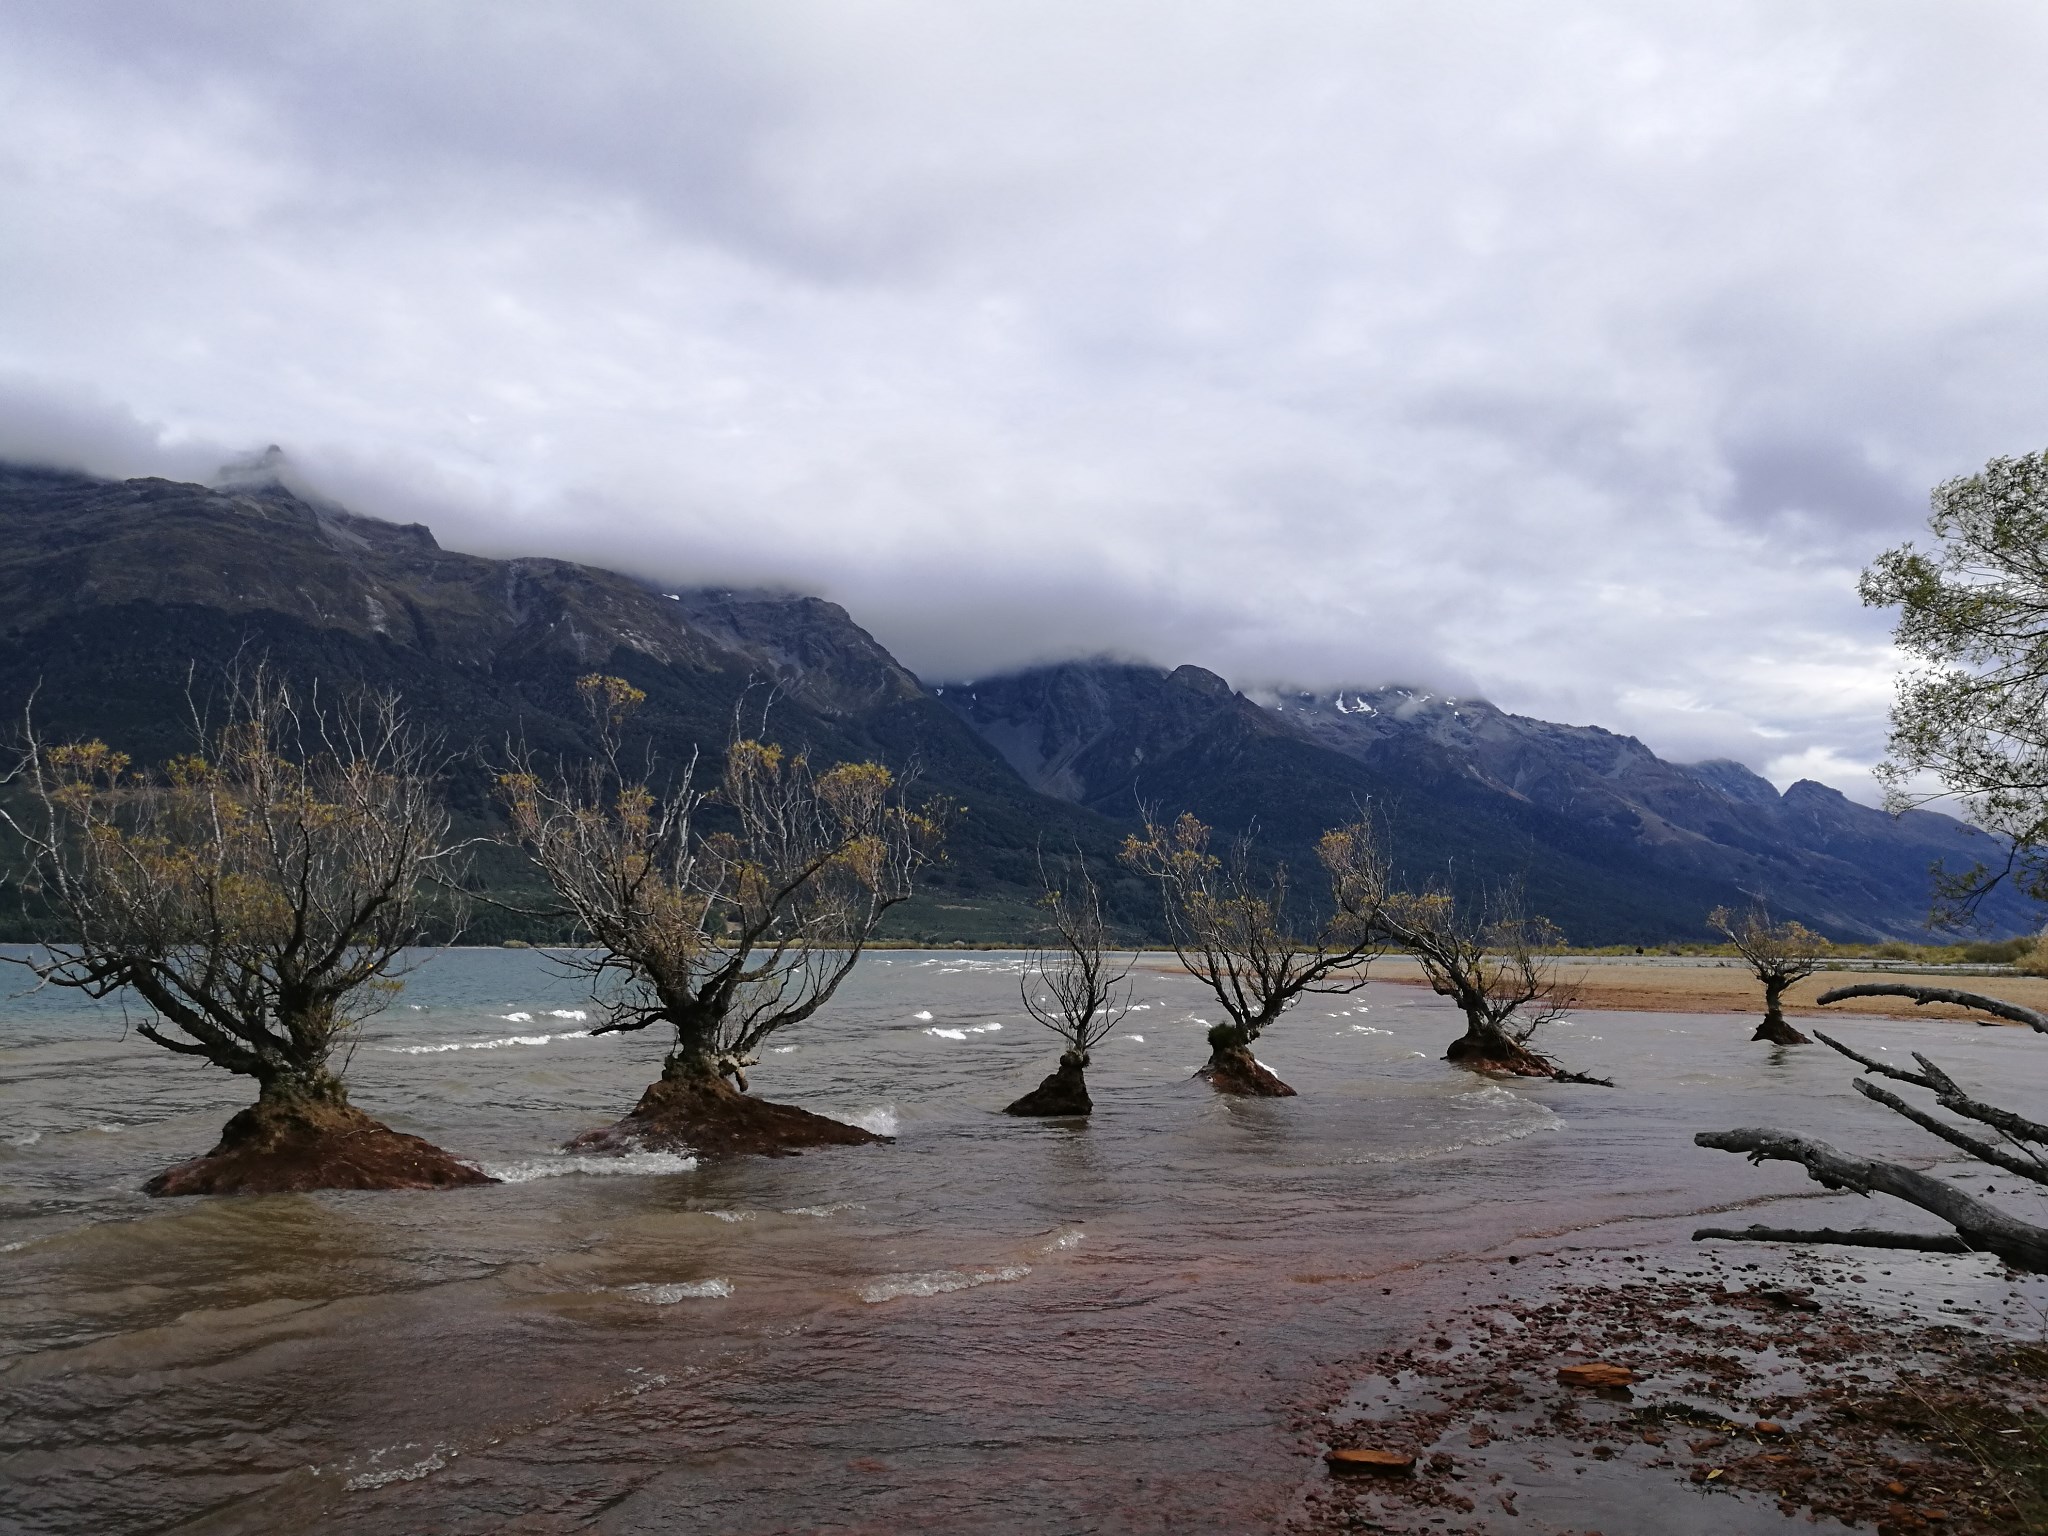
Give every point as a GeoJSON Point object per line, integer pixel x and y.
{"type": "Point", "coordinates": [990, 1325]}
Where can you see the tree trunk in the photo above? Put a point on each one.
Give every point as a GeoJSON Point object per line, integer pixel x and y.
{"type": "Point", "coordinates": [1232, 1069]}
{"type": "Point", "coordinates": [693, 1108]}
{"type": "Point", "coordinates": [302, 1134]}
{"type": "Point", "coordinates": [1775, 1027]}
{"type": "Point", "coordinates": [1487, 1047]}
{"type": "Point", "coordinates": [1063, 1093]}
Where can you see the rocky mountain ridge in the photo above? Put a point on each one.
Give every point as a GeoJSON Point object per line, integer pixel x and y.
{"type": "Point", "coordinates": [115, 594]}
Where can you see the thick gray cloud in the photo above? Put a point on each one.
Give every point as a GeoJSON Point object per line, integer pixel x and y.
{"type": "Point", "coordinates": [1578, 354]}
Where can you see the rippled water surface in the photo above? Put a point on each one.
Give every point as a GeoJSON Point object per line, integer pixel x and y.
{"type": "Point", "coordinates": [990, 1325]}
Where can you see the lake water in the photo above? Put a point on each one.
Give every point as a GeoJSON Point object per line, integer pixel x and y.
{"type": "Point", "coordinates": [991, 1325]}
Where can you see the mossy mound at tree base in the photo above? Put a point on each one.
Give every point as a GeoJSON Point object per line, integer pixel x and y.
{"type": "Point", "coordinates": [1780, 1032]}
{"type": "Point", "coordinates": [710, 1117]}
{"type": "Point", "coordinates": [1065, 1092]}
{"type": "Point", "coordinates": [1498, 1054]}
{"type": "Point", "coordinates": [1233, 1070]}
{"type": "Point", "coordinates": [289, 1149]}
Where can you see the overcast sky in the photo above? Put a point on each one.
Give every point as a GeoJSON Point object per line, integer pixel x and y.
{"type": "Point", "coordinates": [1576, 355]}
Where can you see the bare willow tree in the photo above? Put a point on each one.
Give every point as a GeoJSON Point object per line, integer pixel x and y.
{"type": "Point", "coordinates": [719, 916]}
{"type": "Point", "coordinates": [256, 898]}
{"type": "Point", "coordinates": [1489, 957]}
{"type": "Point", "coordinates": [1780, 954]}
{"type": "Point", "coordinates": [1232, 929]}
{"type": "Point", "coordinates": [2012, 1146]}
{"type": "Point", "coordinates": [1074, 986]}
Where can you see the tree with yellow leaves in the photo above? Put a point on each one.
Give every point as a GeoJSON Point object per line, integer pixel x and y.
{"type": "Point", "coordinates": [256, 898]}
{"type": "Point", "coordinates": [1234, 932]}
{"type": "Point", "coordinates": [721, 915]}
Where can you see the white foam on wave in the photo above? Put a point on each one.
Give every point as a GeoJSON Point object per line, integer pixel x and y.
{"type": "Point", "coordinates": [487, 1045]}
{"type": "Point", "coordinates": [24, 1139]}
{"type": "Point", "coordinates": [438, 1458]}
{"type": "Point", "coordinates": [1065, 1240]}
{"type": "Point", "coordinates": [1367, 1029]}
{"type": "Point", "coordinates": [881, 1120]}
{"type": "Point", "coordinates": [1540, 1118]}
{"type": "Point", "coordinates": [964, 1030]}
{"type": "Point", "coordinates": [687, 1290]}
{"type": "Point", "coordinates": [1139, 1038]}
{"type": "Point", "coordinates": [568, 1013]}
{"type": "Point", "coordinates": [781, 1050]}
{"type": "Point", "coordinates": [822, 1211]}
{"type": "Point", "coordinates": [560, 1166]}
{"type": "Point", "coordinates": [731, 1215]}
{"type": "Point", "coordinates": [516, 1018]}
{"type": "Point", "coordinates": [923, 1015]}
{"type": "Point", "coordinates": [936, 1282]}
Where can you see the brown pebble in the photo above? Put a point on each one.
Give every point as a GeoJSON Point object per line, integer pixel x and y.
{"type": "Point", "coordinates": [1767, 1427]}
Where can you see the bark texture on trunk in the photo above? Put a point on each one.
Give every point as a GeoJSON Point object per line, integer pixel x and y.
{"type": "Point", "coordinates": [1063, 1093]}
{"type": "Point", "coordinates": [1487, 1048]}
{"type": "Point", "coordinates": [1233, 1070]}
{"type": "Point", "coordinates": [692, 1110]}
{"type": "Point", "coordinates": [293, 1142]}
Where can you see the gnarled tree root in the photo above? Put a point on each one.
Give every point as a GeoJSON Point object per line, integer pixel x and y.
{"type": "Point", "coordinates": [1779, 1032]}
{"type": "Point", "coordinates": [273, 1149]}
{"type": "Point", "coordinates": [1498, 1054]}
{"type": "Point", "coordinates": [1979, 1227]}
{"type": "Point", "coordinates": [1233, 1070]}
{"type": "Point", "coordinates": [708, 1116]}
{"type": "Point", "coordinates": [1065, 1092]}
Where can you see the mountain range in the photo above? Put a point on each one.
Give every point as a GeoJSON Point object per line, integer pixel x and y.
{"type": "Point", "coordinates": [118, 598]}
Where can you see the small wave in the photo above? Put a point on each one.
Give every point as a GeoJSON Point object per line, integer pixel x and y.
{"type": "Point", "coordinates": [24, 1139]}
{"type": "Point", "coordinates": [688, 1290]}
{"type": "Point", "coordinates": [433, 1463]}
{"type": "Point", "coordinates": [1139, 1038]}
{"type": "Point", "coordinates": [936, 1282]}
{"type": "Point", "coordinates": [825, 1210]}
{"type": "Point", "coordinates": [1367, 1029]}
{"type": "Point", "coordinates": [731, 1215]}
{"type": "Point", "coordinates": [568, 1013]}
{"type": "Point", "coordinates": [964, 1030]}
{"type": "Point", "coordinates": [111, 1128]}
{"type": "Point", "coordinates": [923, 1015]}
{"type": "Point", "coordinates": [1063, 1242]}
{"type": "Point", "coordinates": [882, 1121]}
{"type": "Point", "coordinates": [781, 1050]}
{"type": "Point", "coordinates": [486, 1045]}
{"type": "Point", "coordinates": [557, 1167]}
{"type": "Point", "coordinates": [516, 1018]}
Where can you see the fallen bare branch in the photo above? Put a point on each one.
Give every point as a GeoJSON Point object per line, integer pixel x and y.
{"type": "Point", "coordinates": [1922, 996]}
{"type": "Point", "coordinates": [1981, 1226]}
{"type": "Point", "coordinates": [1863, 1237]}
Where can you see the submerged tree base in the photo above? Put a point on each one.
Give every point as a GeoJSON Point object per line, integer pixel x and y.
{"type": "Point", "coordinates": [1780, 1032]}
{"type": "Point", "coordinates": [1497, 1053]}
{"type": "Point", "coordinates": [707, 1115]}
{"type": "Point", "coordinates": [285, 1149]}
{"type": "Point", "coordinates": [1233, 1070]}
{"type": "Point", "coordinates": [1063, 1093]}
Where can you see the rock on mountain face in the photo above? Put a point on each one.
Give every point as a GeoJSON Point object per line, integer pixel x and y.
{"type": "Point", "coordinates": [1609, 839]}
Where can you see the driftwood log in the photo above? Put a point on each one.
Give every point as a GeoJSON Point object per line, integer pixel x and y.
{"type": "Point", "coordinates": [2012, 1012]}
{"type": "Point", "coordinates": [1979, 1227]}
